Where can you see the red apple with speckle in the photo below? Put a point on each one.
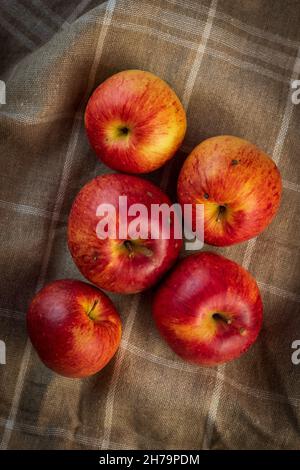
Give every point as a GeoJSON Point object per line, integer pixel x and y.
{"type": "Point", "coordinates": [209, 309]}
{"type": "Point", "coordinates": [120, 263]}
{"type": "Point", "coordinates": [134, 121]}
{"type": "Point", "coordinates": [74, 327]}
{"type": "Point", "coordinates": [239, 185]}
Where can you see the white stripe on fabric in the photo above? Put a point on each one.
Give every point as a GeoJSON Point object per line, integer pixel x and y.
{"type": "Point", "coordinates": [76, 12]}
{"type": "Point", "coordinates": [54, 431]}
{"type": "Point", "coordinates": [209, 372]}
{"type": "Point", "coordinates": [28, 210]}
{"type": "Point", "coordinates": [220, 35]}
{"type": "Point", "coordinates": [109, 408]}
{"type": "Point", "coordinates": [236, 23]}
{"type": "Point", "coordinates": [189, 86]}
{"type": "Point", "coordinates": [209, 50]}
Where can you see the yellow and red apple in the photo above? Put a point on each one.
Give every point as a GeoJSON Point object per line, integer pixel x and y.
{"type": "Point", "coordinates": [120, 263]}
{"type": "Point", "coordinates": [135, 121]}
{"type": "Point", "coordinates": [74, 327]}
{"type": "Point", "coordinates": [209, 309]}
{"type": "Point", "coordinates": [239, 185]}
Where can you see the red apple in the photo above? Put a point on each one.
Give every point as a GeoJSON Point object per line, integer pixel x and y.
{"type": "Point", "coordinates": [209, 309]}
{"type": "Point", "coordinates": [239, 185]}
{"type": "Point", "coordinates": [120, 264]}
{"type": "Point", "coordinates": [135, 122]}
{"type": "Point", "coordinates": [74, 327]}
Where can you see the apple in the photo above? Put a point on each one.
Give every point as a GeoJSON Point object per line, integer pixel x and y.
{"type": "Point", "coordinates": [74, 327]}
{"type": "Point", "coordinates": [120, 262]}
{"type": "Point", "coordinates": [239, 185]}
{"type": "Point", "coordinates": [134, 121]}
{"type": "Point", "coordinates": [209, 309]}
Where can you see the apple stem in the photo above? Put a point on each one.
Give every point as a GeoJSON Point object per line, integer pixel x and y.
{"type": "Point", "coordinates": [89, 314]}
{"type": "Point", "coordinates": [129, 245]}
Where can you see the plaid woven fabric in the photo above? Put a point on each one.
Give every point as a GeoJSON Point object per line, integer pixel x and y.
{"type": "Point", "coordinates": [232, 64]}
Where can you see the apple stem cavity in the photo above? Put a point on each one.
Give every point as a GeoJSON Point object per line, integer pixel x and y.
{"type": "Point", "coordinates": [122, 131]}
{"type": "Point", "coordinates": [221, 317]}
{"type": "Point", "coordinates": [128, 245]}
{"type": "Point", "coordinates": [221, 212]}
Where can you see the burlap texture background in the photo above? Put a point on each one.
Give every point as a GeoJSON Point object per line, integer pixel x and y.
{"type": "Point", "coordinates": [231, 63]}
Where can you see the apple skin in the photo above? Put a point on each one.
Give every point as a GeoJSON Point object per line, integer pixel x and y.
{"type": "Point", "coordinates": [108, 263]}
{"type": "Point", "coordinates": [200, 286]}
{"type": "Point", "coordinates": [239, 185]}
{"type": "Point", "coordinates": [134, 121]}
{"type": "Point", "coordinates": [74, 327]}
